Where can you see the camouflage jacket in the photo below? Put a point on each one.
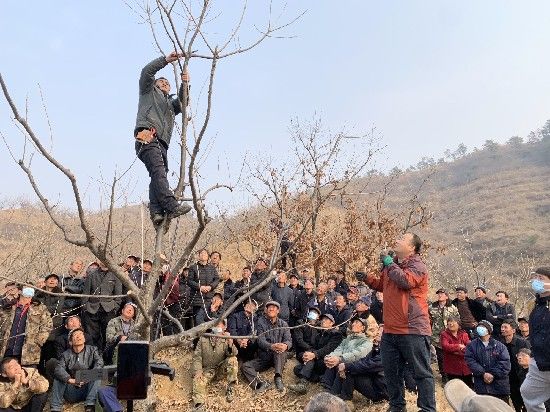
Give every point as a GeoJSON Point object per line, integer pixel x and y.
{"type": "Point", "coordinates": [115, 330]}
{"type": "Point", "coordinates": [439, 317]}
{"type": "Point", "coordinates": [20, 397]}
{"type": "Point", "coordinates": [38, 328]}
{"type": "Point", "coordinates": [211, 352]}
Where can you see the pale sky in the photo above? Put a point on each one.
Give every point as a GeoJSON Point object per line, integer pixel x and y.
{"type": "Point", "coordinates": [427, 74]}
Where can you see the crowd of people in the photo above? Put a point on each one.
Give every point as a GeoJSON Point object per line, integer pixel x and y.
{"type": "Point", "coordinates": [376, 334]}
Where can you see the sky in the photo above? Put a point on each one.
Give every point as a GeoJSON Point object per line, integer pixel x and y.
{"type": "Point", "coordinates": [427, 74]}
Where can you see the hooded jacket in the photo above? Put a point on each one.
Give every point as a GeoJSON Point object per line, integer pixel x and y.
{"type": "Point", "coordinates": [354, 347]}
{"type": "Point", "coordinates": [494, 359]}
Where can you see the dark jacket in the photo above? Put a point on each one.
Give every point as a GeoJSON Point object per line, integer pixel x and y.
{"type": "Point", "coordinates": [342, 316]}
{"type": "Point", "coordinates": [62, 342]}
{"type": "Point", "coordinates": [496, 314]}
{"type": "Point", "coordinates": [539, 332]}
{"type": "Point", "coordinates": [342, 288]}
{"type": "Point", "coordinates": [377, 309]}
{"type": "Point", "coordinates": [285, 296]}
{"type": "Point", "coordinates": [202, 275]}
{"type": "Point", "coordinates": [320, 342]}
{"type": "Point", "coordinates": [55, 305]}
{"type": "Point", "coordinates": [238, 324]}
{"type": "Point", "coordinates": [493, 359]}
{"type": "Point", "coordinates": [325, 305]}
{"type": "Point", "coordinates": [155, 110]}
{"type": "Point", "coordinates": [301, 304]}
{"type": "Point", "coordinates": [263, 295]}
{"type": "Point", "coordinates": [269, 333]}
{"type": "Point", "coordinates": [229, 288]}
{"type": "Point", "coordinates": [102, 283]}
{"type": "Point", "coordinates": [513, 348]}
{"type": "Point", "coordinates": [207, 315]}
{"type": "Point", "coordinates": [70, 284]}
{"type": "Point", "coordinates": [370, 364]}
{"type": "Point", "coordinates": [477, 309]}
{"type": "Point", "coordinates": [71, 362]}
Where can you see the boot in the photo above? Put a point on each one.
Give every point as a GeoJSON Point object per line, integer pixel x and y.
{"type": "Point", "coordinates": [279, 383]}
{"type": "Point", "coordinates": [157, 219]}
{"type": "Point", "coordinates": [229, 392]}
{"type": "Point", "coordinates": [179, 211]}
{"type": "Point", "coordinates": [300, 387]}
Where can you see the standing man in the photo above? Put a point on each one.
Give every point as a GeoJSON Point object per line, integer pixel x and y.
{"type": "Point", "coordinates": [471, 311]}
{"type": "Point", "coordinates": [407, 331]}
{"type": "Point", "coordinates": [72, 283]}
{"type": "Point", "coordinates": [99, 311]}
{"type": "Point", "coordinates": [203, 279]}
{"type": "Point", "coordinates": [154, 123]}
{"type": "Point", "coordinates": [499, 311]}
{"type": "Point", "coordinates": [534, 389]}
{"type": "Point", "coordinates": [284, 295]}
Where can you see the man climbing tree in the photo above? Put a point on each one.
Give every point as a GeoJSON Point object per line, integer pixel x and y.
{"type": "Point", "coordinates": [154, 123]}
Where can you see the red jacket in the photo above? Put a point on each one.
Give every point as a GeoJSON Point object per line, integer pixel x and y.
{"type": "Point", "coordinates": [405, 287]}
{"type": "Point", "coordinates": [453, 356]}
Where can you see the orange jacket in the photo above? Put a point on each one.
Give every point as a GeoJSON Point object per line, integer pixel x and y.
{"type": "Point", "coordinates": [405, 288]}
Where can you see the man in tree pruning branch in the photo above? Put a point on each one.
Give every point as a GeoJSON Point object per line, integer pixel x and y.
{"type": "Point", "coordinates": [154, 124]}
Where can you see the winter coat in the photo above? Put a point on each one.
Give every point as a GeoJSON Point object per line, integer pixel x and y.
{"type": "Point", "coordinates": [207, 315]}
{"type": "Point", "coordinates": [453, 356]}
{"type": "Point", "coordinates": [513, 348]}
{"type": "Point", "coordinates": [368, 365]}
{"type": "Point", "coordinates": [342, 288]}
{"type": "Point", "coordinates": [269, 333]}
{"type": "Point", "coordinates": [496, 314]}
{"type": "Point", "coordinates": [102, 283]}
{"type": "Point", "coordinates": [325, 305]}
{"type": "Point", "coordinates": [155, 109]}
{"type": "Point", "coordinates": [354, 347]}
{"type": "Point", "coordinates": [320, 342]}
{"type": "Point", "coordinates": [238, 324]}
{"type": "Point", "coordinates": [70, 362]}
{"type": "Point", "coordinates": [439, 317]}
{"type": "Point", "coordinates": [38, 327]}
{"type": "Point", "coordinates": [377, 310]}
{"type": "Point", "coordinates": [20, 397]}
{"type": "Point", "coordinates": [71, 284]}
{"type": "Point", "coordinates": [539, 332]}
{"type": "Point", "coordinates": [202, 275]}
{"type": "Point", "coordinates": [285, 296]}
{"type": "Point", "coordinates": [210, 353]}
{"type": "Point", "coordinates": [405, 287]}
{"type": "Point", "coordinates": [115, 331]}
{"type": "Point", "coordinates": [493, 359]}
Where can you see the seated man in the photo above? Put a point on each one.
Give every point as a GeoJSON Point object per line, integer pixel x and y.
{"type": "Point", "coordinates": [65, 386]}
{"type": "Point", "coordinates": [244, 323]}
{"type": "Point", "coordinates": [120, 329]}
{"type": "Point", "coordinates": [354, 347]}
{"type": "Point", "coordinates": [274, 341]}
{"type": "Point", "coordinates": [212, 356]}
{"type": "Point", "coordinates": [365, 375]}
{"type": "Point", "coordinates": [22, 389]}
{"type": "Point", "coordinates": [342, 313]}
{"type": "Point", "coordinates": [213, 310]}
{"type": "Point", "coordinates": [312, 345]}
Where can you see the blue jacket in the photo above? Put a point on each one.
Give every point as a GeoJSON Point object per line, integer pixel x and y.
{"type": "Point", "coordinates": [369, 365]}
{"type": "Point", "coordinates": [539, 333]}
{"type": "Point", "coordinates": [493, 359]}
{"type": "Point", "coordinates": [238, 324]}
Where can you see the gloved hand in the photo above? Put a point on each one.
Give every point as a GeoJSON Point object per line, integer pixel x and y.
{"type": "Point", "coordinates": [386, 257]}
{"type": "Point", "coordinates": [360, 276]}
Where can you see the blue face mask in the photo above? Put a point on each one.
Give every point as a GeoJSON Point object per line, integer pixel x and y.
{"type": "Point", "coordinates": [27, 292]}
{"type": "Point", "coordinates": [538, 286]}
{"type": "Point", "coordinates": [482, 331]}
{"type": "Point", "coordinates": [312, 316]}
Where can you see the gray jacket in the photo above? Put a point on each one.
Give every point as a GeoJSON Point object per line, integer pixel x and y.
{"type": "Point", "coordinates": [71, 362]}
{"type": "Point", "coordinates": [285, 296]}
{"type": "Point", "coordinates": [269, 333]}
{"type": "Point", "coordinates": [102, 283]}
{"type": "Point", "coordinates": [155, 109]}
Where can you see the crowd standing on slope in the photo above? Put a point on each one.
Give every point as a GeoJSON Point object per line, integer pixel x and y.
{"type": "Point", "coordinates": [376, 334]}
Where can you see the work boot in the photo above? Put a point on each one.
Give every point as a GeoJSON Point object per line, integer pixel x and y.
{"type": "Point", "coordinates": [261, 387]}
{"type": "Point", "coordinates": [199, 407]}
{"type": "Point", "coordinates": [157, 219]}
{"type": "Point", "coordinates": [179, 211]}
{"type": "Point", "coordinates": [229, 392]}
{"type": "Point", "coordinates": [279, 383]}
{"type": "Point", "coordinates": [300, 387]}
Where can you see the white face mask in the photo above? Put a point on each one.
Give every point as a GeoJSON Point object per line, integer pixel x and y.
{"type": "Point", "coordinates": [217, 330]}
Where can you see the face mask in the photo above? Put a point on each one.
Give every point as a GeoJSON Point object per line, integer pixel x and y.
{"type": "Point", "coordinates": [217, 330]}
{"type": "Point", "coordinates": [538, 286]}
{"type": "Point", "coordinates": [482, 331]}
{"type": "Point", "coordinates": [27, 292]}
{"type": "Point", "coordinates": [312, 316]}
